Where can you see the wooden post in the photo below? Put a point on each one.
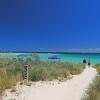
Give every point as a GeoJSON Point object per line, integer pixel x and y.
{"type": "Point", "coordinates": [25, 74]}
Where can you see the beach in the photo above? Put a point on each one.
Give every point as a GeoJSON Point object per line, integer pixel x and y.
{"type": "Point", "coordinates": [73, 89]}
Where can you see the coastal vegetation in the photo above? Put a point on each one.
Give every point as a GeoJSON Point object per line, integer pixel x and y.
{"type": "Point", "coordinates": [93, 93]}
{"type": "Point", "coordinates": [11, 70]}
{"type": "Point", "coordinates": [54, 70]}
{"type": "Point", "coordinates": [10, 73]}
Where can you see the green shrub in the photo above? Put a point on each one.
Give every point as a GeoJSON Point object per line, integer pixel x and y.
{"type": "Point", "coordinates": [37, 74]}
{"type": "Point", "coordinates": [53, 70]}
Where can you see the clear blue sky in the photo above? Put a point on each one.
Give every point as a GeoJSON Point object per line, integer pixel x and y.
{"type": "Point", "coordinates": [49, 24]}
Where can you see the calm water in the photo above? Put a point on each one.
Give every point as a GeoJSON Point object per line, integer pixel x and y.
{"type": "Point", "coordinates": [66, 57]}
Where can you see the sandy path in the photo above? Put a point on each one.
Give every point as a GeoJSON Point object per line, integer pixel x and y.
{"type": "Point", "coordinates": [73, 89]}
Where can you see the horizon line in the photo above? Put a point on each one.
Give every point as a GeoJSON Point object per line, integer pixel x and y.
{"type": "Point", "coordinates": [47, 52]}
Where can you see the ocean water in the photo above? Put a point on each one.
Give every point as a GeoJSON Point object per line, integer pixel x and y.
{"type": "Point", "coordinates": [94, 58]}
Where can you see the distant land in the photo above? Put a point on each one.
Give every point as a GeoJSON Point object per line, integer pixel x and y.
{"type": "Point", "coordinates": [87, 50]}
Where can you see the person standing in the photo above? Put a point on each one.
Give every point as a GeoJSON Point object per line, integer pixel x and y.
{"type": "Point", "coordinates": [89, 63]}
{"type": "Point", "coordinates": [85, 63]}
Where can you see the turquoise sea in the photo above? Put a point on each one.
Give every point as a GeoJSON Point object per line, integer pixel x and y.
{"type": "Point", "coordinates": [65, 57]}
{"type": "Point", "coordinates": [94, 58]}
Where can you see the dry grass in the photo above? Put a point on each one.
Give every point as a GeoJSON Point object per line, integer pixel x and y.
{"type": "Point", "coordinates": [8, 79]}
{"type": "Point", "coordinates": [54, 70]}
{"type": "Point", "coordinates": [93, 92]}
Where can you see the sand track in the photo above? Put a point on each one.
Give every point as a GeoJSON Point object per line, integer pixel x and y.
{"type": "Point", "coordinates": [73, 89]}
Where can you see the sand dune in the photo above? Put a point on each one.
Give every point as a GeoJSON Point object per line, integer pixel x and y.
{"type": "Point", "coordinates": [73, 89]}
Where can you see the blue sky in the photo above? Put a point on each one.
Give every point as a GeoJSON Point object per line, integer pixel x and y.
{"type": "Point", "coordinates": [49, 24]}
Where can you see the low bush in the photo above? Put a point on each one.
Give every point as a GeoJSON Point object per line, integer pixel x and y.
{"type": "Point", "coordinates": [53, 70]}
{"type": "Point", "coordinates": [93, 92]}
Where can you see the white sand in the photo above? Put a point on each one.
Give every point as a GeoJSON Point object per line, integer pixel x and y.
{"type": "Point", "coordinates": [73, 89]}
